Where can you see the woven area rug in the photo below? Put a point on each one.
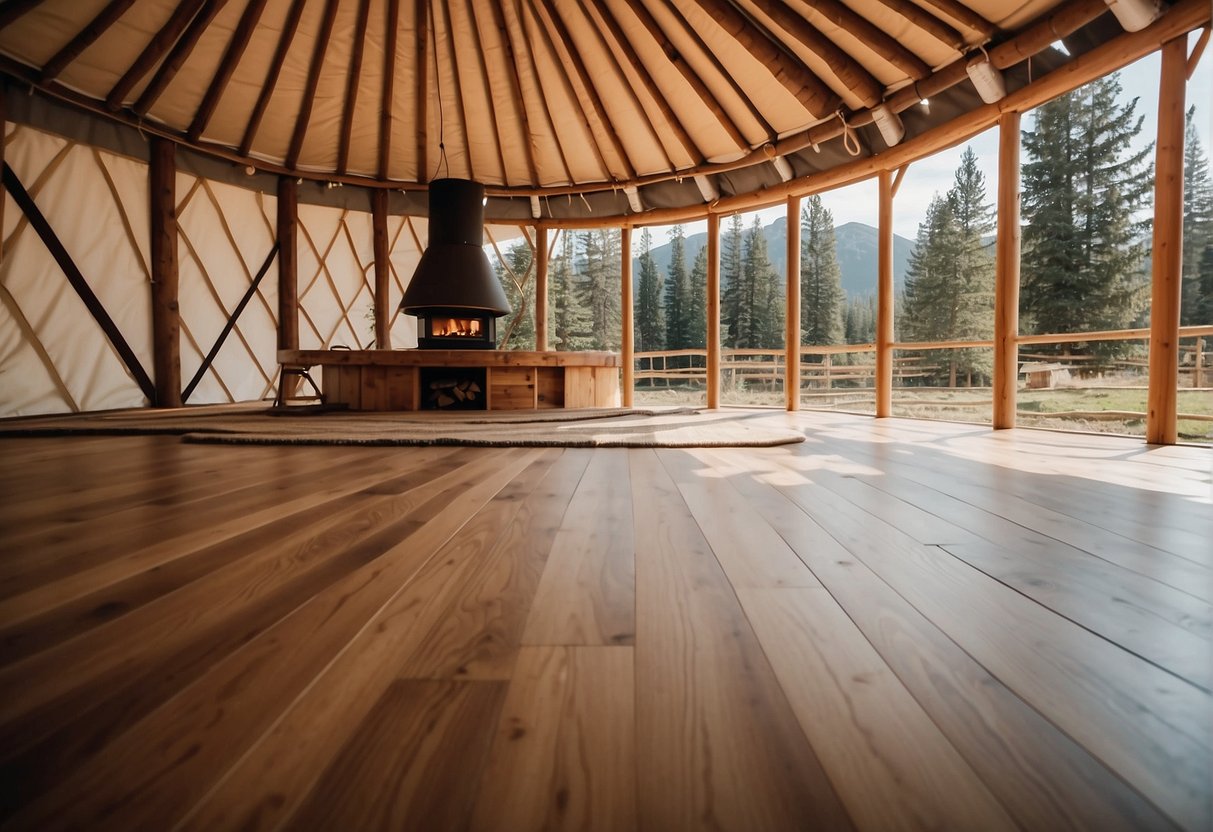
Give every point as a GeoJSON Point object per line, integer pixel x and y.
{"type": "Point", "coordinates": [589, 428]}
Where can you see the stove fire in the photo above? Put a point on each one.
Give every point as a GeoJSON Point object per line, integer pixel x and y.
{"type": "Point", "coordinates": [457, 328]}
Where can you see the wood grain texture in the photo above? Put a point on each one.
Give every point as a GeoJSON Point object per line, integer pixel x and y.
{"type": "Point", "coordinates": [563, 754]}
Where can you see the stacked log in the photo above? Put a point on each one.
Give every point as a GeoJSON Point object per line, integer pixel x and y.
{"type": "Point", "coordinates": [451, 393]}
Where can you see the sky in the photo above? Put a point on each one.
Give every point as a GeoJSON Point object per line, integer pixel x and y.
{"type": "Point", "coordinates": [926, 177]}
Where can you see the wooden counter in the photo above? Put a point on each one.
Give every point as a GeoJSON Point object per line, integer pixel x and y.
{"type": "Point", "coordinates": [513, 379]}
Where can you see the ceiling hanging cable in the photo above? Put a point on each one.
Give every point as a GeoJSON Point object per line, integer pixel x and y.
{"type": "Point", "coordinates": [442, 160]}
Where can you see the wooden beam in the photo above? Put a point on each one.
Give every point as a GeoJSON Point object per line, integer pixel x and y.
{"type": "Point", "coordinates": [313, 81]}
{"type": "Point", "coordinates": [351, 86]}
{"type": "Point", "coordinates": [965, 16]}
{"type": "Point", "coordinates": [1006, 280]}
{"type": "Point", "coordinates": [901, 174]}
{"type": "Point", "coordinates": [1199, 49]}
{"type": "Point", "coordinates": [152, 53]}
{"type": "Point", "coordinates": [713, 359]}
{"type": "Point", "coordinates": [177, 57]}
{"type": "Point", "coordinates": [928, 22]}
{"type": "Point", "coordinates": [387, 101]}
{"type": "Point", "coordinates": [884, 299]}
{"type": "Point", "coordinates": [1167, 252]}
{"type": "Point", "coordinates": [791, 382]}
{"type": "Point", "coordinates": [627, 346]}
{"type": "Point", "coordinates": [541, 289]}
{"type": "Point", "coordinates": [231, 58]}
{"type": "Point", "coordinates": [421, 46]}
{"type": "Point", "coordinates": [83, 39]}
{"type": "Point", "coordinates": [166, 316]}
{"type": "Point", "coordinates": [3, 136]}
{"type": "Point", "coordinates": [444, 38]}
{"type": "Point", "coordinates": [499, 143]}
{"type": "Point", "coordinates": [871, 36]}
{"type": "Point", "coordinates": [383, 270]}
{"type": "Point", "coordinates": [271, 77]}
{"type": "Point", "coordinates": [288, 264]}
{"type": "Point", "coordinates": [14, 9]}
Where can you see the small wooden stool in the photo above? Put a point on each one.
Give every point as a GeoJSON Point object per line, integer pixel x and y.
{"type": "Point", "coordinates": [295, 371]}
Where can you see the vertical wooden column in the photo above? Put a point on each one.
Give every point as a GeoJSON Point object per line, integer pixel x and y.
{"type": "Point", "coordinates": [383, 270]}
{"type": "Point", "coordinates": [541, 289]}
{"type": "Point", "coordinates": [713, 345]}
{"type": "Point", "coordinates": [884, 299]}
{"type": "Point", "coordinates": [288, 264]}
{"type": "Point", "coordinates": [791, 384]}
{"type": "Point", "coordinates": [1167, 254]}
{"type": "Point", "coordinates": [3, 195]}
{"type": "Point", "coordinates": [627, 336]}
{"type": "Point", "coordinates": [1006, 280]}
{"type": "Point", "coordinates": [166, 317]}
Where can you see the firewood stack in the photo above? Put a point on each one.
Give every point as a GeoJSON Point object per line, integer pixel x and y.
{"type": "Point", "coordinates": [452, 393]}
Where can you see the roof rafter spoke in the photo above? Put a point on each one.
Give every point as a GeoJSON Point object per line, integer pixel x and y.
{"type": "Point", "coordinates": [929, 23]}
{"type": "Point", "coordinates": [160, 43]}
{"type": "Point", "coordinates": [84, 39]}
{"type": "Point", "coordinates": [675, 58]}
{"type": "Point", "coordinates": [474, 28]}
{"type": "Point", "coordinates": [848, 70]}
{"type": "Point", "coordinates": [578, 93]}
{"type": "Point", "coordinates": [562, 41]}
{"type": "Point", "coordinates": [965, 16]}
{"type": "Point", "coordinates": [421, 45]}
{"type": "Point", "coordinates": [313, 81]}
{"type": "Point", "coordinates": [14, 9]}
{"type": "Point", "coordinates": [516, 90]}
{"type": "Point", "coordinates": [780, 61]}
{"type": "Point", "coordinates": [178, 56]}
{"type": "Point", "coordinates": [271, 77]}
{"type": "Point", "coordinates": [387, 101]}
{"type": "Point", "coordinates": [873, 37]}
{"type": "Point", "coordinates": [231, 58]}
{"type": "Point", "coordinates": [351, 86]}
{"type": "Point", "coordinates": [453, 57]}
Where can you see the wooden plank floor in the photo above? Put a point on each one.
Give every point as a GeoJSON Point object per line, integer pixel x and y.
{"type": "Point", "coordinates": [896, 624]}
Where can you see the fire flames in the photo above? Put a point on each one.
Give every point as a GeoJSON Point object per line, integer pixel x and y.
{"type": "Point", "coordinates": [457, 327]}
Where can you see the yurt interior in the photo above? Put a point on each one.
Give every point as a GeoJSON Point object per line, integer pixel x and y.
{"type": "Point", "coordinates": [606, 414]}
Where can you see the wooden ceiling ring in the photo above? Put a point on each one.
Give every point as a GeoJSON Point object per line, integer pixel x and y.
{"type": "Point", "coordinates": [783, 64]}
{"type": "Point", "coordinates": [227, 67]}
{"type": "Point", "coordinates": [557, 38]}
{"type": "Point", "coordinates": [271, 77]}
{"type": "Point", "coordinates": [927, 22]}
{"type": "Point", "coordinates": [313, 81]}
{"type": "Point", "coordinates": [152, 53]}
{"type": "Point", "coordinates": [353, 77]}
{"type": "Point", "coordinates": [387, 90]}
{"type": "Point", "coordinates": [689, 75]}
{"type": "Point", "coordinates": [603, 25]}
{"type": "Point", "coordinates": [871, 36]}
{"type": "Point", "coordinates": [177, 56]}
{"type": "Point", "coordinates": [84, 38]}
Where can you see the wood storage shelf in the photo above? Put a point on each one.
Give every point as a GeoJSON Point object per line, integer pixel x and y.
{"type": "Point", "coordinates": [513, 379]}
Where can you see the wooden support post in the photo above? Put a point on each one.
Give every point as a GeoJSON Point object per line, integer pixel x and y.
{"type": "Point", "coordinates": [288, 264]}
{"type": "Point", "coordinates": [713, 361]}
{"type": "Point", "coordinates": [166, 318]}
{"type": "Point", "coordinates": [791, 381]}
{"type": "Point", "coordinates": [1161, 428]}
{"type": "Point", "coordinates": [1006, 281]}
{"type": "Point", "coordinates": [383, 269]}
{"type": "Point", "coordinates": [1198, 370]}
{"type": "Point", "coordinates": [884, 299]}
{"type": "Point", "coordinates": [627, 339]}
{"type": "Point", "coordinates": [541, 289]}
{"type": "Point", "coordinates": [3, 132]}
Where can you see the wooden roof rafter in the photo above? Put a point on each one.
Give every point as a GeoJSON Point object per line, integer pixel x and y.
{"type": "Point", "coordinates": [153, 52]}
{"type": "Point", "coordinates": [440, 11]}
{"type": "Point", "coordinates": [177, 56]}
{"type": "Point", "coordinates": [474, 28]}
{"type": "Point", "coordinates": [927, 22]}
{"type": "Point", "coordinates": [313, 81]}
{"type": "Point", "coordinates": [871, 36]}
{"type": "Point", "coordinates": [289, 28]}
{"type": "Point", "coordinates": [591, 101]}
{"type": "Point", "coordinates": [421, 48]}
{"type": "Point", "coordinates": [14, 9]}
{"type": "Point", "coordinates": [516, 98]}
{"type": "Point", "coordinates": [85, 38]}
{"type": "Point", "coordinates": [353, 78]}
{"type": "Point", "coordinates": [966, 17]}
{"type": "Point", "coordinates": [227, 67]}
{"type": "Point", "coordinates": [387, 90]}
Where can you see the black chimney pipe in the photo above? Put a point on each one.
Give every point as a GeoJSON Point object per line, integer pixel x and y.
{"type": "Point", "coordinates": [454, 272]}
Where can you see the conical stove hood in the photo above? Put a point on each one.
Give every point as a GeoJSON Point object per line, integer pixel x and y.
{"type": "Point", "coordinates": [454, 272]}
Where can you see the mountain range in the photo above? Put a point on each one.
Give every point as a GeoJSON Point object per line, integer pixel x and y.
{"type": "Point", "coordinates": [857, 254]}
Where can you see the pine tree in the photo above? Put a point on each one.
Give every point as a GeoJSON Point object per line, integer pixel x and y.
{"type": "Point", "coordinates": [1204, 282]}
{"type": "Point", "coordinates": [570, 320]}
{"type": "Point", "coordinates": [1083, 191]}
{"type": "Point", "coordinates": [697, 307]}
{"type": "Point", "coordinates": [677, 292]}
{"type": "Point", "coordinates": [650, 316]}
{"type": "Point", "coordinates": [517, 331]}
{"type": "Point", "coordinates": [861, 319]}
{"type": "Point", "coordinates": [599, 286]}
{"type": "Point", "coordinates": [1197, 303]}
{"type": "Point", "coordinates": [761, 301]}
{"type": "Point", "coordinates": [821, 294]}
{"type": "Point", "coordinates": [734, 316]}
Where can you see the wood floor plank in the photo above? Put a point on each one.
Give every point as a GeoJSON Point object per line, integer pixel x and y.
{"type": "Point", "coordinates": [276, 774]}
{"type": "Point", "coordinates": [480, 633]}
{"type": "Point", "coordinates": [587, 592]}
{"type": "Point", "coordinates": [1139, 720]}
{"type": "Point", "coordinates": [1043, 778]}
{"type": "Point", "coordinates": [412, 763]}
{"type": "Point", "coordinates": [1164, 626]}
{"type": "Point", "coordinates": [888, 761]}
{"type": "Point", "coordinates": [563, 755]}
{"type": "Point", "coordinates": [717, 745]}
